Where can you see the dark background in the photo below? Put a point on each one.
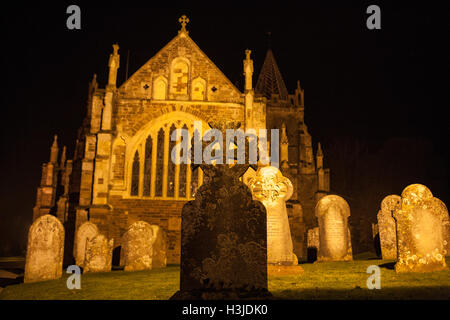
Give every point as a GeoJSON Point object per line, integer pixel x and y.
{"type": "Point", "coordinates": [376, 99]}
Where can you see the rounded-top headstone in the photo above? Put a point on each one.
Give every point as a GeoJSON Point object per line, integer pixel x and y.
{"type": "Point", "coordinates": [332, 212]}
{"type": "Point", "coordinates": [138, 245]}
{"type": "Point", "coordinates": [45, 249]}
{"type": "Point", "coordinates": [86, 231]}
{"type": "Point", "coordinates": [420, 231]}
{"type": "Point", "coordinates": [98, 254]}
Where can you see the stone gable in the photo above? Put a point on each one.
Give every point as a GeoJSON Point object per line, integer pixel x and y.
{"type": "Point", "coordinates": [218, 87]}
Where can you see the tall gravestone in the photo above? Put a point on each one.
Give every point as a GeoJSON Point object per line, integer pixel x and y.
{"type": "Point", "coordinates": [420, 231]}
{"type": "Point", "coordinates": [273, 189]}
{"type": "Point", "coordinates": [223, 238]}
{"type": "Point", "coordinates": [138, 247]}
{"type": "Point", "coordinates": [159, 245]}
{"type": "Point", "coordinates": [45, 250]}
{"type": "Point", "coordinates": [85, 231]}
{"type": "Point", "coordinates": [332, 212]}
{"type": "Point", "coordinates": [98, 254]}
{"type": "Point", "coordinates": [387, 227]}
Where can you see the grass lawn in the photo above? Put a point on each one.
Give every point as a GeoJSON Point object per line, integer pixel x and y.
{"type": "Point", "coordinates": [327, 280]}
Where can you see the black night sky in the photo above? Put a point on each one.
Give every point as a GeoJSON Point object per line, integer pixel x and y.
{"type": "Point", "coordinates": [376, 99]}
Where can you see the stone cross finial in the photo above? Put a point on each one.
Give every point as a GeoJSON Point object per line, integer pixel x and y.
{"type": "Point", "coordinates": [184, 21]}
{"type": "Point", "coordinates": [247, 54]}
{"type": "Point", "coordinates": [115, 49]}
{"type": "Point", "coordinates": [319, 150]}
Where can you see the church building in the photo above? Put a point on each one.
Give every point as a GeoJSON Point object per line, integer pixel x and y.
{"type": "Point", "coordinates": [121, 171]}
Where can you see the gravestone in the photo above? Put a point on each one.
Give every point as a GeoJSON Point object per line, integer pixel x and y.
{"type": "Point", "coordinates": [159, 248]}
{"type": "Point", "coordinates": [313, 238]}
{"type": "Point", "coordinates": [223, 237]}
{"type": "Point", "coordinates": [87, 230]}
{"type": "Point", "coordinates": [332, 212]}
{"type": "Point", "coordinates": [387, 227]}
{"type": "Point", "coordinates": [137, 245]}
{"type": "Point", "coordinates": [419, 231]}
{"type": "Point", "coordinates": [375, 230]}
{"type": "Point", "coordinates": [443, 212]}
{"type": "Point", "coordinates": [98, 254]}
{"type": "Point", "coordinates": [298, 230]}
{"type": "Point", "coordinates": [45, 250]}
{"type": "Point", "coordinates": [273, 189]}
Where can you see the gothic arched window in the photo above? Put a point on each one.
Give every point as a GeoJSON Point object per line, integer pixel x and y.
{"type": "Point", "coordinates": [171, 165]}
{"type": "Point", "coordinates": [182, 178]}
{"type": "Point", "coordinates": [147, 167]}
{"type": "Point", "coordinates": [135, 175]}
{"type": "Point", "coordinates": [154, 174]}
{"type": "Point", "coordinates": [159, 164]}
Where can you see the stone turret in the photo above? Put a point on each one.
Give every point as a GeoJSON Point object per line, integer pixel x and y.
{"type": "Point", "coordinates": [54, 150]}
{"type": "Point", "coordinates": [249, 93]}
{"type": "Point", "coordinates": [46, 192]}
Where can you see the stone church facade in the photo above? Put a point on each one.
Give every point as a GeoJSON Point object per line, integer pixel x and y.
{"type": "Point", "coordinates": [121, 170]}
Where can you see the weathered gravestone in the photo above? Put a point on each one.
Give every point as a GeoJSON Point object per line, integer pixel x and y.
{"type": "Point", "coordinates": [332, 212]}
{"type": "Point", "coordinates": [98, 254]}
{"type": "Point", "coordinates": [313, 238]}
{"type": "Point", "coordinates": [445, 225]}
{"type": "Point", "coordinates": [273, 190]}
{"type": "Point", "coordinates": [420, 231]}
{"type": "Point", "coordinates": [223, 238]}
{"type": "Point", "coordinates": [87, 230]}
{"type": "Point", "coordinates": [45, 250]}
{"type": "Point", "coordinates": [159, 247]}
{"type": "Point", "coordinates": [137, 244]}
{"type": "Point", "coordinates": [386, 226]}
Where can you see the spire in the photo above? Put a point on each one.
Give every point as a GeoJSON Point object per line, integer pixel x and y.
{"type": "Point", "coordinates": [248, 71]}
{"type": "Point", "coordinates": [93, 85]}
{"type": "Point", "coordinates": [319, 157]}
{"type": "Point", "coordinates": [300, 94]}
{"type": "Point", "coordinates": [319, 151]}
{"type": "Point", "coordinates": [270, 80]}
{"type": "Point", "coordinates": [63, 158]}
{"type": "Point", "coordinates": [54, 150]}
